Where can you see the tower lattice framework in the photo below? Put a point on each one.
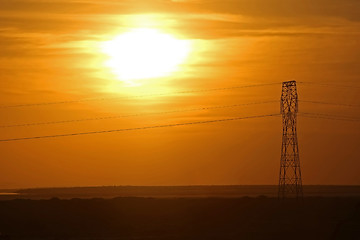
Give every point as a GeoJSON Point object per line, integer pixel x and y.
{"type": "Point", "coordinates": [290, 184]}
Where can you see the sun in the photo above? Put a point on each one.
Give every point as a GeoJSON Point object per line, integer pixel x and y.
{"type": "Point", "coordinates": [145, 53]}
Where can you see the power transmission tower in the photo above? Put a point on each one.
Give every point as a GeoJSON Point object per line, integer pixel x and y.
{"type": "Point", "coordinates": [290, 184]}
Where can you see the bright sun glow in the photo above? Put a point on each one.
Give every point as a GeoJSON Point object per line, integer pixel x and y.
{"type": "Point", "coordinates": [145, 53]}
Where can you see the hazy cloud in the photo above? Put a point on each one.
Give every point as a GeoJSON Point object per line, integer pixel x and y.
{"type": "Point", "coordinates": [346, 9]}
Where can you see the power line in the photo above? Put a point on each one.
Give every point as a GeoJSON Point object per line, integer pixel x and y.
{"type": "Point", "coordinates": [132, 115]}
{"type": "Point", "coordinates": [328, 116]}
{"type": "Point", "coordinates": [137, 128]}
{"type": "Point", "coordinates": [329, 85]}
{"type": "Point", "coordinates": [327, 103]}
{"type": "Point", "coordinates": [138, 96]}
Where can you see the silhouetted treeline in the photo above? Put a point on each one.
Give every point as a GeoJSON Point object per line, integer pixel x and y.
{"type": "Point", "coordinates": [186, 218]}
{"type": "Point", "coordinates": [174, 191]}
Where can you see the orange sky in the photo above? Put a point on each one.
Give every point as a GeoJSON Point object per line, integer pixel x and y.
{"type": "Point", "coordinates": [50, 52]}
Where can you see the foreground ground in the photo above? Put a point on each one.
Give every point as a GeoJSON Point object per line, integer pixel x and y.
{"type": "Point", "coordinates": [181, 218]}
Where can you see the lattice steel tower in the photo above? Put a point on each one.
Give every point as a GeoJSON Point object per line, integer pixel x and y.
{"type": "Point", "coordinates": [290, 184]}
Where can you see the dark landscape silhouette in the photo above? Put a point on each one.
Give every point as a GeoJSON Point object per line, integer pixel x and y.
{"type": "Point", "coordinates": [181, 218]}
{"type": "Point", "coordinates": [189, 212]}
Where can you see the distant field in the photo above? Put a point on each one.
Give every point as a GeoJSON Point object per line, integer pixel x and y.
{"type": "Point", "coordinates": [172, 192]}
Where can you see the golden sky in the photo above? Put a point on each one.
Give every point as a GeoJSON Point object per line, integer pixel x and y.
{"type": "Point", "coordinates": [51, 52]}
